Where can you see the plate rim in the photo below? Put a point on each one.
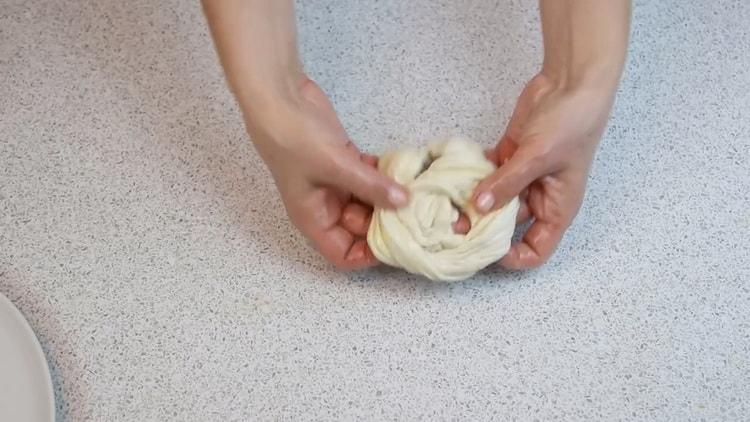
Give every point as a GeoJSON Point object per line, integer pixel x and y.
{"type": "Point", "coordinates": [39, 352]}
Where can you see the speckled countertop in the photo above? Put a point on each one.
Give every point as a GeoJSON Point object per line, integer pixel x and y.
{"type": "Point", "coordinates": [145, 243]}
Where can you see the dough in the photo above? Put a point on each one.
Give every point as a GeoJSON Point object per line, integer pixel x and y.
{"type": "Point", "coordinates": [419, 237]}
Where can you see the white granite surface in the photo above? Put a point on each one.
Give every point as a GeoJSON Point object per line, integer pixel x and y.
{"type": "Point", "coordinates": [145, 243]}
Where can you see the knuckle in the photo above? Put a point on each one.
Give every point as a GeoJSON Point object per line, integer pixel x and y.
{"type": "Point", "coordinates": [531, 260]}
{"type": "Point", "coordinates": [536, 262]}
{"type": "Point", "coordinates": [337, 261]}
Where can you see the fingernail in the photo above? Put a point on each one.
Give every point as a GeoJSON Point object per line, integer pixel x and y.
{"type": "Point", "coordinates": [485, 200]}
{"type": "Point", "coordinates": [397, 196]}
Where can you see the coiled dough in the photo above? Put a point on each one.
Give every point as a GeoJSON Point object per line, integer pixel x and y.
{"type": "Point", "coordinates": [419, 237]}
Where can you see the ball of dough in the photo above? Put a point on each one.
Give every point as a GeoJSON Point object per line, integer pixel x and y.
{"type": "Point", "coordinates": [419, 237]}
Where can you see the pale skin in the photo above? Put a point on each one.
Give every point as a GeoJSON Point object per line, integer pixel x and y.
{"type": "Point", "coordinates": [329, 187]}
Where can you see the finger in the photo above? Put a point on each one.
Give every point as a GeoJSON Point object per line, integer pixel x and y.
{"type": "Point", "coordinates": [491, 154]}
{"type": "Point", "coordinates": [462, 225]}
{"type": "Point", "coordinates": [360, 255]}
{"type": "Point", "coordinates": [502, 152]}
{"type": "Point", "coordinates": [508, 180]}
{"type": "Point", "coordinates": [318, 210]}
{"type": "Point", "coordinates": [537, 246]}
{"type": "Point", "coordinates": [321, 224]}
{"type": "Point", "coordinates": [524, 209]}
{"type": "Point", "coordinates": [369, 159]}
{"type": "Point", "coordinates": [524, 213]}
{"type": "Point", "coordinates": [356, 218]}
{"type": "Point", "coordinates": [340, 248]}
{"type": "Point", "coordinates": [505, 149]}
{"type": "Point", "coordinates": [365, 182]}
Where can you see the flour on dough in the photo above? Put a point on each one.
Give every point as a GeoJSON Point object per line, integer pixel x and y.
{"type": "Point", "coordinates": [419, 237]}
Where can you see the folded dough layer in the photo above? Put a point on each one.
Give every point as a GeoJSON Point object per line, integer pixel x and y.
{"type": "Point", "coordinates": [419, 237]}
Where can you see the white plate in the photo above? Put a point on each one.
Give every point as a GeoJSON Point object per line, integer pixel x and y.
{"type": "Point", "coordinates": [25, 384]}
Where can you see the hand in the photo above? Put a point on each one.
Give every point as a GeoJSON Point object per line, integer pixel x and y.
{"type": "Point", "coordinates": [324, 180]}
{"type": "Point", "coordinates": [544, 156]}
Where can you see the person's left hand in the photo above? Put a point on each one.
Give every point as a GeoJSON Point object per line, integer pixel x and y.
{"type": "Point", "coordinates": [544, 157]}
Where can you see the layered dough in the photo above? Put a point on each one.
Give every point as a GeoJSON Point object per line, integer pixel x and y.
{"type": "Point", "coordinates": [419, 237]}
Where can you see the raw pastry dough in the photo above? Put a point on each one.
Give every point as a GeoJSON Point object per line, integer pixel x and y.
{"type": "Point", "coordinates": [419, 237]}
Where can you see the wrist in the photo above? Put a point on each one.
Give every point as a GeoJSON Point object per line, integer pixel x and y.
{"type": "Point", "coordinates": [601, 75]}
{"type": "Point", "coordinates": [267, 107]}
{"type": "Point", "coordinates": [585, 42]}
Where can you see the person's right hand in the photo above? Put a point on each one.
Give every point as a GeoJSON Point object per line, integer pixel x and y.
{"type": "Point", "coordinates": [327, 185]}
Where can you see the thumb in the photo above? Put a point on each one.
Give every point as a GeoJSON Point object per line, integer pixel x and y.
{"type": "Point", "coordinates": [367, 183]}
{"type": "Point", "coordinates": [497, 189]}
